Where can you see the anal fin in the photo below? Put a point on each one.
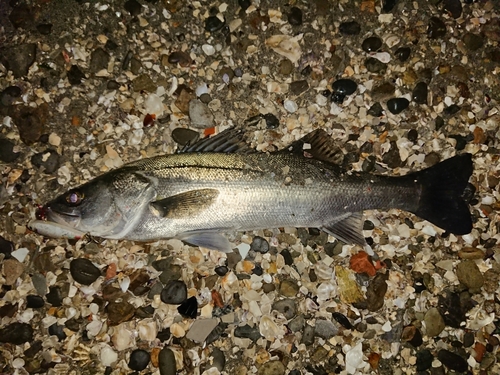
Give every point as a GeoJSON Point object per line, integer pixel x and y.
{"type": "Point", "coordinates": [184, 204]}
{"type": "Point", "coordinates": [348, 230]}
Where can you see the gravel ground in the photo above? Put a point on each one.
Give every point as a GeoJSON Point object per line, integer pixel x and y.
{"type": "Point", "coordinates": [88, 86]}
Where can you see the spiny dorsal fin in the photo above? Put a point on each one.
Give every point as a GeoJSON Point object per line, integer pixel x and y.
{"type": "Point", "coordinates": [348, 230]}
{"type": "Point", "coordinates": [322, 147]}
{"type": "Point", "coordinates": [231, 140]}
{"type": "Point", "coordinates": [184, 204]}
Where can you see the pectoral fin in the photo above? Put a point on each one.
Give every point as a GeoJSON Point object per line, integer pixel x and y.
{"type": "Point", "coordinates": [184, 204]}
{"type": "Point", "coordinates": [209, 239]}
{"type": "Point", "coordinates": [348, 230]}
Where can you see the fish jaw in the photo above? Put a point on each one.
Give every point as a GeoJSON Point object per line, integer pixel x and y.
{"type": "Point", "coordinates": [55, 230]}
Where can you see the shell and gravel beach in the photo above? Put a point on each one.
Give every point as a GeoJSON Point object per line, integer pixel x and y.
{"type": "Point", "coordinates": [87, 86]}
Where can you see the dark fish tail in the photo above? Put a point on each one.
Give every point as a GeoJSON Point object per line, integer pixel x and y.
{"type": "Point", "coordinates": [442, 194]}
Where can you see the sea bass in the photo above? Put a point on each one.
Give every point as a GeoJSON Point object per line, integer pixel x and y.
{"type": "Point", "coordinates": [220, 185]}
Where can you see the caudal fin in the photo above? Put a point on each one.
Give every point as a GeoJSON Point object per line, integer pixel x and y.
{"type": "Point", "coordinates": [443, 186]}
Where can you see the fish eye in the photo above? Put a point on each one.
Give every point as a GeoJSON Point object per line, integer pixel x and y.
{"type": "Point", "coordinates": [74, 198]}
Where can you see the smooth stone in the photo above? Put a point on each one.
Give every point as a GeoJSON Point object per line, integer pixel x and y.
{"type": "Point", "coordinates": [412, 135]}
{"type": "Point", "coordinates": [272, 122]}
{"type": "Point", "coordinates": [371, 44]}
{"type": "Point", "coordinates": [419, 93]}
{"type": "Point", "coordinates": [392, 157]}
{"type": "Point", "coordinates": [219, 359]}
{"type": "Point", "coordinates": [174, 293]}
{"type": "Point", "coordinates": [16, 333]}
{"type": "Point", "coordinates": [112, 85]}
{"type": "Point", "coordinates": [424, 360]}
{"type": "Point", "coordinates": [221, 270]}
{"type": "Point", "coordinates": [374, 65]}
{"type": "Point", "coordinates": [350, 28]}
{"type": "Point", "coordinates": [183, 136]}
{"type": "Point", "coordinates": [166, 362]}
{"type": "Point", "coordinates": [295, 16]}
{"type": "Point", "coordinates": [285, 67]}
{"type": "Point", "coordinates": [308, 335]}
{"type": "Point", "coordinates": [288, 307]}
{"type": "Point", "coordinates": [287, 256]}
{"type": "Point", "coordinates": [99, 60]}
{"type": "Point", "coordinates": [19, 58]}
{"type": "Point", "coordinates": [143, 82]}
{"type": "Point", "coordinates": [452, 361]}
{"type": "Point", "coordinates": [34, 301]}
{"type": "Point", "coordinates": [54, 297]}
{"type": "Point", "coordinates": [272, 368]}
{"type": "Point", "coordinates": [298, 87]}
{"type": "Point", "coordinates": [397, 105]}
{"type": "Point", "coordinates": [342, 319]}
{"type": "Point", "coordinates": [436, 28]}
{"type": "Point", "coordinates": [84, 271]}
{"type": "Point", "coordinates": [9, 95]}
{"type": "Point", "coordinates": [58, 331]}
{"type": "Point", "coordinates": [119, 312]}
{"type": "Point", "coordinates": [75, 75]}
{"type": "Point", "coordinates": [213, 23]}
{"type": "Point", "coordinates": [451, 110]}
{"type": "Point", "coordinates": [297, 324]}
{"type": "Point", "coordinates": [344, 86]}
{"type": "Point", "coordinates": [180, 57]}
{"type": "Point", "coordinates": [244, 4]}
{"type": "Point", "coordinates": [325, 329]}
{"type": "Point", "coordinates": [473, 42]}
{"type": "Point", "coordinates": [49, 163]}
{"type": "Point", "coordinates": [403, 53]}
{"type": "Point", "coordinates": [468, 274]}
{"type": "Point", "coordinates": [289, 288]}
{"type": "Point", "coordinates": [376, 110]}
{"type": "Point", "coordinates": [434, 323]}
{"type": "Point", "coordinates": [30, 122]}
{"type": "Point", "coordinates": [40, 283]}
{"type": "Point", "coordinates": [139, 360]}
{"type": "Point", "coordinates": [375, 292]}
{"type": "Point", "coordinates": [319, 354]}
{"type": "Point", "coordinates": [7, 154]}
{"type": "Point", "coordinates": [189, 308]}
{"type": "Point", "coordinates": [200, 115]}
{"type": "Point", "coordinates": [133, 7]}
{"type": "Point", "coordinates": [201, 328]}
{"type": "Point", "coordinates": [259, 245]}
{"type": "Point", "coordinates": [453, 7]}
{"type": "Point", "coordinates": [247, 332]}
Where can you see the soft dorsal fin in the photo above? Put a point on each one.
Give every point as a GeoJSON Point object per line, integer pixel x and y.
{"type": "Point", "coordinates": [322, 147]}
{"type": "Point", "coordinates": [348, 230]}
{"type": "Point", "coordinates": [184, 204]}
{"type": "Point", "coordinates": [231, 140]}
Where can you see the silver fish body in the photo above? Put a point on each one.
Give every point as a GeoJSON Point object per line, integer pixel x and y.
{"type": "Point", "coordinates": [195, 196]}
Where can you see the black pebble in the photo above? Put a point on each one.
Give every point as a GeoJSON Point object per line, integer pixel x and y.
{"type": "Point", "coordinates": [436, 28]}
{"type": "Point", "coordinates": [9, 94]}
{"type": "Point", "coordinates": [257, 270]}
{"type": "Point", "coordinates": [287, 256]}
{"type": "Point", "coordinates": [374, 65]}
{"type": "Point", "coordinates": [368, 225]}
{"type": "Point", "coordinates": [44, 28]}
{"type": "Point", "coordinates": [388, 5]}
{"type": "Point", "coordinates": [16, 333]}
{"type": "Point", "coordinates": [174, 293]}
{"type": "Point", "coordinates": [402, 53]}
{"type": "Point", "coordinates": [50, 163]}
{"type": "Point", "coordinates": [272, 122]}
{"type": "Point", "coordinates": [112, 85]}
{"type": "Point", "coordinates": [451, 110]}
{"type": "Point", "coordinates": [57, 330]}
{"type": "Point", "coordinates": [259, 245]}
{"type": "Point", "coordinates": [453, 7]}
{"type": "Point", "coordinates": [221, 270]}
{"type": "Point", "coordinates": [35, 302]}
{"type": "Point", "coordinates": [371, 44]}
{"type": "Point", "coordinates": [84, 271]}
{"type": "Point", "coordinates": [247, 332]}
{"type": "Point", "coordinates": [133, 7]}
{"type": "Point", "coordinates": [368, 164]}
{"type": "Point", "coordinates": [75, 75]}
{"type": "Point", "coordinates": [164, 334]}
{"type": "Point", "coordinates": [189, 308]}
{"type": "Point", "coordinates": [350, 28]}
{"type": "Point", "coordinates": [6, 247]}
{"type": "Point", "coordinates": [7, 153]}
{"type": "Point", "coordinates": [341, 88]}
{"type": "Point", "coordinates": [213, 23]}
{"type": "Point", "coordinates": [139, 360]}
{"type": "Point", "coordinates": [54, 296]}
{"type": "Point", "coordinates": [244, 4]}
{"type": "Point", "coordinates": [452, 361]}
{"type": "Point", "coordinates": [419, 94]}
{"type": "Point", "coordinates": [183, 136]}
{"type": "Point", "coordinates": [298, 87]}
{"type": "Point", "coordinates": [376, 110]}
{"type": "Point", "coordinates": [424, 360]}
{"type": "Point", "coordinates": [412, 135]}
{"type": "Point", "coordinates": [342, 319]}
{"type": "Point", "coordinates": [295, 16]}
{"type": "Point", "coordinates": [397, 105]}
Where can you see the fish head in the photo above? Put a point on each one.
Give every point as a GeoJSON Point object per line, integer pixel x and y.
{"type": "Point", "coordinates": [107, 206]}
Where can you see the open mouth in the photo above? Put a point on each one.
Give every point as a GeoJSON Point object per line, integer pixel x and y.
{"type": "Point", "coordinates": [68, 219]}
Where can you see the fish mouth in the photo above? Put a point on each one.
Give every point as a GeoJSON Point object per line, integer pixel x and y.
{"type": "Point", "coordinates": [63, 218]}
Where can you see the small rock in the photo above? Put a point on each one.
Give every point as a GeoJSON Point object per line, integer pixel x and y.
{"type": "Point", "coordinates": [285, 67]}
{"type": "Point", "coordinates": [295, 16]}
{"type": "Point", "coordinates": [143, 83]}
{"type": "Point", "coordinates": [259, 245]}
{"type": "Point", "coordinates": [21, 15]}
{"type": "Point", "coordinates": [376, 110]}
{"type": "Point", "coordinates": [201, 328]}
{"type": "Point", "coordinates": [181, 58]}
{"type": "Point", "coordinates": [30, 121]}
{"type": "Point", "coordinates": [319, 354]}
{"type": "Point", "coordinates": [57, 330]}
{"type": "Point", "coordinates": [420, 93]}
{"type": "Point", "coordinates": [133, 7]}
{"type": "Point", "coordinates": [54, 297]}
{"type": "Point", "coordinates": [298, 87]}
{"type": "Point", "coordinates": [213, 24]}
{"type": "Point", "coordinates": [453, 8]}
{"type": "Point", "coordinates": [16, 333]}
{"type": "Point", "coordinates": [434, 323]}
{"type": "Point", "coordinates": [308, 335]}
{"type": "Point", "coordinates": [19, 58]}
{"type": "Point", "coordinates": [272, 122]}
{"type": "Point", "coordinates": [342, 319]}
{"type": "Point", "coordinates": [75, 75]}
{"type": "Point", "coordinates": [375, 292]}
{"type": "Point", "coordinates": [371, 44]}
{"type": "Point", "coordinates": [9, 95]}
{"type": "Point", "coordinates": [200, 115]}
{"type": "Point", "coordinates": [452, 361]}
{"type": "Point", "coordinates": [84, 271]}
{"type": "Point", "coordinates": [34, 301]}
{"type": "Point", "coordinates": [287, 307]}
{"type": "Point", "coordinates": [12, 269]}
{"type": "Point", "coordinates": [341, 88]}
{"type": "Point", "coordinates": [287, 256]}
{"type": "Point", "coordinates": [325, 329]}
{"type": "Point", "coordinates": [189, 308]}
{"type": "Point", "coordinates": [436, 28]}
{"type": "Point", "coordinates": [219, 360]}
{"type": "Point", "coordinates": [297, 324]}
{"type": "Point", "coordinates": [289, 288]}
{"type": "Point", "coordinates": [119, 312]}
{"type": "Point", "coordinates": [374, 65]}
{"type": "Point", "coordinates": [99, 60]}
{"type": "Point", "coordinates": [166, 362]}
{"type": "Point", "coordinates": [473, 42]}
{"type": "Point", "coordinates": [112, 85]}
{"type": "Point", "coordinates": [40, 283]}
{"type": "Point", "coordinates": [402, 53]}
{"type": "Point", "coordinates": [184, 136]}
{"type": "Point", "coordinates": [397, 105]}
{"type": "Point", "coordinates": [221, 270]}
{"type": "Point", "coordinates": [174, 293]}
{"type": "Point", "coordinates": [139, 360]}
{"type": "Point", "coordinates": [49, 163]}
{"type": "Point", "coordinates": [468, 274]}
{"type": "Point", "coordinates": [7, 154]}
{"type": "Point", "coordinates": [392, 157]}
{"type": "Point", "coordinates": [272, 368]}
{"type": "Point", "coordinates": [350, 28]}
{"type": "Point", "coordinates": [424, 360]}
{"type": "Point", "coordinates": [247, 332]}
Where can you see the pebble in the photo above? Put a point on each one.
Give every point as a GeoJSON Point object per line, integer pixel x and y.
{"type": "Point", "coordinates": [99, 60]}
{"type": "Point", "coordinates": [473, 42]}
{"type": "Point", "coordinates": [9, 95]}
{"type": "Point", "coordinates": [244, 4]}
{"type": "Point", "coordinates": [308, 335]}
{"type": "Point", "coordinates": [75, 75]}
{"type": "Point", "coordinates": [21, 15]}
{"type": "Point", "coordinates": [139, 360]}
{"type": "Point", "coordinates": [383, 91]}
{"type": "Point", "coordinates": [288, 307]}
{"type": "Point", "coordinates": [143, 82]}
{"type": "Point", "coordinates": [350, 28]}
{"type": "Point", "coordinates": [295, 16]}
{"type": "Point", "coordinates": [272, 122]}
{"type": "Point", "coordinates": [12, 269]}
{"type": "Point", "coordinates": [166, 362]}
{"type": "Point", "coordinates": [259, 245]}
{"type": "Point", "coordinates": [200, 115]}
{"type": "Point", "coordinates": [342, 319]}
{"type": "Point", "coordinates": [393, 157]}
{"type": "Point", "coordinates": [219, 359]}
{"type": "Point", "coordinates": [468, 274]}
{"type": "Point", "coordinates": [341, 88]}
{"type": "Point", "coordinates": [403, 53]}
{"type": "Point", "coordinates": [133, 7]}
{"type": "Point", "coordinates": [371, 44]}
{"type": "Point", "coordinates": [397, 105]}
{"type": "Point", "coordinates": [434, 323]}
{"type": "Point", "coordinates": [50, 163]}
{"type": "Point", "coordinates": [298, 87]}
{"type": "Point", "coordinates": [7, 154]}
{"type": "Point", "coordinates": [285, 67]}
{"type": "Point", "coordinates": [201, 328]}
{"type": "Point", "coordinates": [452, 361]}
{"type": "Point", "coordinates": [221, 270]}
{"type": "Point", "coordinates": [189, 308]}
{"type": "Point", "coordinates": [297, 324]}
{"type": "Point", "coordinates": [424, 360]}
{"type": "Point", "coordinates": [375, 292]}
{"type": "Point", "coordinates": [376, 110]}
{"type": "Point", "coordinates": [58, 331]}
{"type": "Point", "coordinates": [34, 301]}
{"type": "Point", "coordinates": [16, 333]}
{"type": "Point", "coordinates": [183, 136]}
{"type": "Point", "coordinates": [174, 293]}
{"type": "Point", "coordinates": [272, 368]}
{"type": "Point", "coordinates": [247, 332]}
{"type": "Point", "coordinates": [119, 312]}
{"type": "Point", "coordinates": [213, 24]}
{"type": "Point", "coordinates": [289, 288]}
{"type": "Point", "coordinates": [19, 58]}
{"type": "Point", "coordinates": [30, 122]}
{"type": "Point", "coordinates": [180, 57]}
{"type": "Point", "coordinates": [325, 329]}
{"type": "Point", "coordinates": [40, 283]}
{"type": "Point", "coordinates": [436, 28]}
{"type": "Point", "coordinates": [453, 8]}
{"type": "Point", "coordinates": [290, 105]}
{"type": "Point", "coordinates": [54, 296]}
{"type": "Point", "coordinates": [420, 93]}
{"type": "Point", "coordinates": [374, 65]}
{"type": "Point", "coordinates": [84, 271]}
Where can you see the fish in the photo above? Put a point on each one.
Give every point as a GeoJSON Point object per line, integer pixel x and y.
{"type": "Point", "coordinates": [220, 185]}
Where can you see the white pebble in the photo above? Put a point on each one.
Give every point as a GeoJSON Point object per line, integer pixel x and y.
{"type": "Point", "coordinates": [108, 356]}
{"type": "Point", "coordinates": [20, 254]}
{"type": "Point", "coordinates": [153, 105]}
{"type": "Point", "coordinates": [201, 89]}
{"type": "Point", "coordinates": [290, 106]}
{"type": "Point", "coordinates": [354, 359]}
{"type": "Point", "coordinates": [208, 49]}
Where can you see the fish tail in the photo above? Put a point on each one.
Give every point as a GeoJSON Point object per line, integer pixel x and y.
{"type": "Point", "coordinates": [442, 199]}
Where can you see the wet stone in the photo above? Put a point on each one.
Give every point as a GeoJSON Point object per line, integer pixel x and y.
{"type": "Point", "coordinates": [325, 329]}
{"type": "Point", "coordinates": [289, 288]}
{"type": "Point", "coordinates": [342, 319]}
{"type": "Point", "coordinates": [19, 58]}
{"type": "Point", "coordinates": [397, 105]}
{"type": "Point", "coordinates": [295, 16]}
{"type": "Point", "coordinates": [287, 307]}
{"type": "Point", "coordinates": [402, 53]}
{"type": "Point", "coordinates": [139, 360]}
{"type": "Point", "coordinates": [374, 65]}
{"type": "Point", "coordinates": [259, 245]}
{"type": "Point", "coordinates": [272, 368]}
{"type": "Point", "coordinates": [371, 44]}
{"type": "Point", "coordinates": [221, 270]}
{"type": "Point", "coordinates": [375, 292]}
{"type": "Point", "coordinates": [54, 297]}
{"type": "Point", "coordinates": [200, 115]}
{"type": "Point", "coordinates": [133, 7]}
{"type": "Point", "coordinates": [419, 93]}
{"type": "Point", "coordinates": [34, 301]}
{"type": "Point", "coordinates": [350, 28]}
{"type": "Point", "coordinates": [285, 67]}
{"type": "Point", "coordinates": [16, 333]}
{"type": "Point", "coordinates": [75, 75]}
{"type": "Point", "coordinates": [453, 8]}
{"type": "Point", "coordinates": [50, 163]}
{"type": "Point", "coordinates": [376, 110]}
{"type": "Point", "coordinates": [468, 274]}
{"type": "Point", "coordinates": [473, 42]}
{"type": "Point", "coordinates": [247, 332]}
{"type": "Point", "coordinates": [298, 87]}
{"type": "Point", "coordinates": [174, 293]}
{"type": "Point", "coordinates": [99, 60]}
{"type": "Point", "coordinates": [452, 361]}
{"type": "Point", "coordinates": [308, 335]}
{"type": "Point", "coordinates": [180, 57]}
{"type": "Point", "coordinates": [166, 362]}
{"type": "Point", "coordinates": [287, 256]}
{"type": "Point", "coordinates": [412, 135]}
{"type": "Point", "coordinates": [424, 360]}
{"type": "Point", "coordinates": [84, 271]}
{"type": "Point", "coordinates": [436, 28]}
{"type": "Point", "coordinates": [9, 95]}
{"type": "Point", "coordinates": [119, 312]}
{"type": "Point", "coordinates": [189, 308]}
{"type": "Point", "coordinates": [213, 23]}
{"type": "Point", "coordinates": [341, 88]}
{"type": "Point", "coordinates": [272, 122]}
{"type": "Point", "coordinates": [58, 331]}
{"type": "Point", "coordinates": [183, 136]}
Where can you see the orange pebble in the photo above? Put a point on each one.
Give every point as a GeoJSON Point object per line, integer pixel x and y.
{"type": "Point", "coordinates": [111, 271]}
